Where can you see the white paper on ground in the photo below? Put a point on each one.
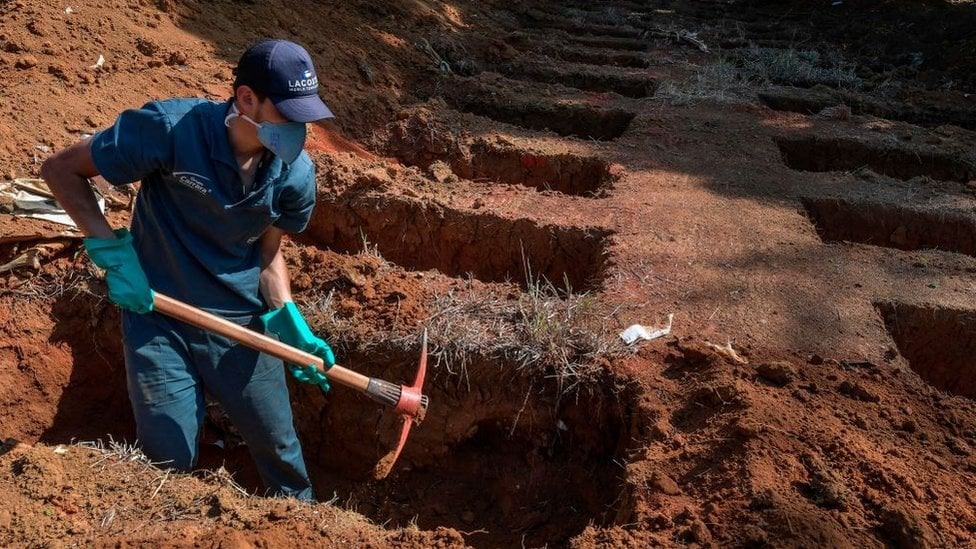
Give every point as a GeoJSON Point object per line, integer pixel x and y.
{"type": "Point", "coordinates": [637, 331]}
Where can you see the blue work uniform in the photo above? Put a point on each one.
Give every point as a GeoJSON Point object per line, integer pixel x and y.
{"type": "Point", "coordinates": [196, 230]}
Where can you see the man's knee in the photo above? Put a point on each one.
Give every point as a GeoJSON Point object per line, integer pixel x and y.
{"type": "Point", "coordinates": [167, 443]}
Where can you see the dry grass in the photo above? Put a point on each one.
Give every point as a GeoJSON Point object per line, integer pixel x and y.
{"type": "Point", "coordinates": [547, 330]}
{"type": "Point", "coordinates": [719, 81]}
{"type": "Point", "coordinates": [736, 77]}
{"type": "Point", "coordinates": [797, 67]}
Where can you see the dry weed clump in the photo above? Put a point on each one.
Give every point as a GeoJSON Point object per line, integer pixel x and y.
{"type": "Point", "coordinates": [738, 76]}
{"type": "Point", "coordinates": [720, 80]}
{"type": "Point", "coordinates": [545, 329]}
{"type": "Point", "coordinates": [804, 68]}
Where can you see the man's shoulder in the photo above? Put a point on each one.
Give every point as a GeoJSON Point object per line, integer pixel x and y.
{"type": "Point", "coordinates": [177, 108]}
{"type": "Point", "coordinates": [300, 171]}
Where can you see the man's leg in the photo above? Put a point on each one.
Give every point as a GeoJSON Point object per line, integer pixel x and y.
{"type": "Point", "coordinates": [251, 387]}
{"type": "Point", "coordinates": [166, 395]}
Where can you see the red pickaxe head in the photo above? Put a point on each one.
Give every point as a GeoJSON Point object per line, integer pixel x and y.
{"type": "Point", "coordinates": [410, 403]}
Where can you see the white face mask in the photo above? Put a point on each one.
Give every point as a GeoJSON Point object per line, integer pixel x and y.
{"type": "Point", "coordinates": [285, 139]}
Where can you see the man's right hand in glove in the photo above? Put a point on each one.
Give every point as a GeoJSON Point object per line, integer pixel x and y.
{"type": "Point", "coordinates": [127, 284]}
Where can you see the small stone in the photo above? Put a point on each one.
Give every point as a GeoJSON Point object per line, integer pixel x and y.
{"type": "Point", "coordinates": [777, 373]}
{"type": "Point", "coordinates": [176, 58]}
{"type": "Point", "coordinates": [858, 391]}
{"type": "Point", "coordinates": [699, 532]}
{"type": "Point", "coordinates": [816, 360]}
{"type": "Point", "coordinates": [26, 62]}
{"type": "Point", "coordinates": [664, 484]}
{"type": "Point", "coordinates": [958, 446]}
{"type": "Point", "coordinates": [279, 512]}
{"type": "Point", "coordinates": [468, 517]}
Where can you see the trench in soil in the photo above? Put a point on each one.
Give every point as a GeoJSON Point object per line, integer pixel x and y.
{"type": "Point", "coordinates": [590, 29]}
{"type": "Point", "coordinates": [584, 55]}
{"type": "Point", "coordinates": [564, 118]}
{"type": "Point", "coordinates": [505, 459]}
{"type": "Point", "coordinates": [499, 162]}
{"type": "Point", "coordinates": [805, 102]}
{"type": "Point", "coordinates": [565, 173]}
{"type": "Point", "coordinates": [815, 154]}
{"type": "Point", "coordinates": [612, 43]}
{"type": "Point", "coordinates": [500, 453]}
{"type": "Point", "coordinates": [627, 85]}
{"type": "Point", "coordinates": [603, 57]}
{"type": "Point", "coordinates": [892, 226]}
{"type": "Point", "coordinates": [938, 342]}
{"type": "Point", "coordinates": [421, 236]}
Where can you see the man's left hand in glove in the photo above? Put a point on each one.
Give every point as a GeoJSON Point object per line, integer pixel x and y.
{"type": "Point", "coordinates": [290, 327]}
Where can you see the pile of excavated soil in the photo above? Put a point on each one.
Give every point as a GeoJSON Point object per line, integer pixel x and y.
{"type": "Point", "coordinates": [795, 186]}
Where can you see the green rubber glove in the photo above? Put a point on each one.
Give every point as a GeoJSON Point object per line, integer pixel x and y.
{"type": "Point", "coordinates": [290, 327]}
{"type": "Point", "coordinates": [127, 284]}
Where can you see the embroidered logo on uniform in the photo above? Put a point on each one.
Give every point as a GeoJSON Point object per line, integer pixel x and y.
{"type": "Point", "coordinates": [193, 181]}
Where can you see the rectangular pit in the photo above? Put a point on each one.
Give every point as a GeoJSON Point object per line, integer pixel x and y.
{"type": "Point", "coordinates": [581, 54]}
{"type": "Point", "coordinates": [592, 29]}
{"type": "Point", "coordinates": [459, 243]}
{"type": "Point", "coordinates": [603, 57]}
{"type": "Point", "coordinates": [565, 173]}
{"type": "Point", "coordinates": [563, 118]}
{"type": "Point", "coordinates": [817, 154]}
{"type": "Point", "coordinates": [920, 111]}
{"type": "Point", "coordinates": [938, 342]}
{"type": "Point", "coordinates": [610, 42]}
{"type": "Point", "coordinates": [590, 79]}
{"type": "Point", "coordinates": [892, 226]}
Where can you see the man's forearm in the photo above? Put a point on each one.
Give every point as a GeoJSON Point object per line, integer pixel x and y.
{"type": "Point", "coordinates": [275, 283]}
{"type": "Point", "coordinates": [66, 174]}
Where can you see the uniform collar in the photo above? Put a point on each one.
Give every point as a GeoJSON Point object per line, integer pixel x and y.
{"type": "Point", "coordinates": [221, 151]}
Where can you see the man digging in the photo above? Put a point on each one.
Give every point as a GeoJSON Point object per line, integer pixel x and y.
{"type": "Point", "coordinates": [221, 183]}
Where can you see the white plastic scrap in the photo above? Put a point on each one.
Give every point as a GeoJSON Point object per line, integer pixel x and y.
{"type": "Point", "coordinates": [99, 63]}
{"type": "Point", "coordinates": [635, 332]}
{"type": "Point", "coordinates": [60, 450]}
{"type": "Point", "coordinates": [33, 198]}
{"type": "Point", "coordinates": [68, 10]}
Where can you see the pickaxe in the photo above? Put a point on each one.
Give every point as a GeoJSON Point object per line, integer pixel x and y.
{"type": "Point", "coordinates": [408, 401]}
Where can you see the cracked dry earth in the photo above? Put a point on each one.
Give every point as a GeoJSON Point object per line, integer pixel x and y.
{"type": "Point", "coordinates": [812, 232]}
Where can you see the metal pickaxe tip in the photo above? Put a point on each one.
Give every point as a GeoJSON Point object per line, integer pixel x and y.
{"type": "Point", "coordinates": [412, 406]}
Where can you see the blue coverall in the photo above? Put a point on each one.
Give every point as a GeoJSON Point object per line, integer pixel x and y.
{"type": "Point", "coordinates": [196, 230]}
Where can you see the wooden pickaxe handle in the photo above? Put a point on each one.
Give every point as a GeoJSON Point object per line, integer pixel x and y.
{"type": "Point", "coordinates": [407, 401]}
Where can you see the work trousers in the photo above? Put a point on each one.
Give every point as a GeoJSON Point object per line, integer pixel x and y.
{"type": "Point", "coordinates": [169, 364]}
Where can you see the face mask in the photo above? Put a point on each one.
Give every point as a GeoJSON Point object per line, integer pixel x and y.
{"type": "Point", "coordinates": [285, 140]}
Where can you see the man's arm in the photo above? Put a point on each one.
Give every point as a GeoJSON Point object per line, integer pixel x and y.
{"type": "Point", "coordinates": [284, 319]}
{"type": "Point", "coordinates": [275, 283]}
{"type": "Point", "coordinates": [67, 173]}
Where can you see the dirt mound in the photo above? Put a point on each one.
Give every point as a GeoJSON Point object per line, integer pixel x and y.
{"type": "Point", "coordinates": [792, 183]}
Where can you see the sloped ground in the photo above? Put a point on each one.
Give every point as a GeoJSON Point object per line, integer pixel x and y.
{"type": "Point", "coordinates": [792, 181]}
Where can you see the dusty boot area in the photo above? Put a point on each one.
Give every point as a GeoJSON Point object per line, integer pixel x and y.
{"type": "Point", "coordinates": [794, 182]}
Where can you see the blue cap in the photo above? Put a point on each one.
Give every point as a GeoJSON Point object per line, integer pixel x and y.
{"type": "Point", "coordinates": [283, 71]}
